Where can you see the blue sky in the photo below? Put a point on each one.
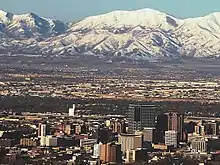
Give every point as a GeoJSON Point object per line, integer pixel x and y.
{"type": "Point", "coordinates": [73, 10]}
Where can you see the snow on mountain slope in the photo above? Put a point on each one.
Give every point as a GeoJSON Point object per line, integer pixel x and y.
{"type": "Point", "coordinates": [122, 33]}
{"type": "Point", "coordinates": [138, 34]}
{"type": "Point", "coordinates": [125, 19]}
{"type": "Point", "coordinates": [29, 25]}
{"type": "Point", "coordinates": [5, 17]}
{"type": "Point", "coordinates": [200, 36]}
{"type": "Point", "coordinates": [147, 32]}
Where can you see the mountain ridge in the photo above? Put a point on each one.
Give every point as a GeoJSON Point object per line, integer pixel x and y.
{"type": "Point", "coordinates": [141, 34]}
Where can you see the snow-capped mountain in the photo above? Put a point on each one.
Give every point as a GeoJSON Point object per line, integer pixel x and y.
{"type": "Point", "coordinates": [141, 34]}
{"type": "Point", "coordinates": [29, 25]}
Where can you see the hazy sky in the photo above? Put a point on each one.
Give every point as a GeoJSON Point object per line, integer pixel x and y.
{"type": "Point", "coordinates": [72, 10]}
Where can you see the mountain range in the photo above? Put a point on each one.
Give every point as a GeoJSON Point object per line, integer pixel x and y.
{"type": "Point", "coordinates": [140, 34]}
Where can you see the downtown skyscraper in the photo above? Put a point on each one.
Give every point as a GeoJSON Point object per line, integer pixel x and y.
{"type": "Point", "coordinates": [172, 121]}
{"type": "Point", "coordinates": [141, 116]}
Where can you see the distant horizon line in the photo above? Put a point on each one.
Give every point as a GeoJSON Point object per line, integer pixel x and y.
{"type": "Point", "coordinates": [103, 13]}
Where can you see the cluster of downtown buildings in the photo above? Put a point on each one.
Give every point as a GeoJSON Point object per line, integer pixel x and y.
{"type": "Point", "coordinates": [142, 136]}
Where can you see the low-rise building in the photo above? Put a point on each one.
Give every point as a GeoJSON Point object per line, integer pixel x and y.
{"type": "Point", "coordinates": [28, 142]}
{"type": "Point", "coordinates": [138, 155]}
{"type": "Point", "coordinates": [171, 138]}
{"type": "Point", "coordinates": [199, 145]}
{"type": "Point", "coordinates": [110, 153]}
{"type": "Point", "coordinates": [48, 141]}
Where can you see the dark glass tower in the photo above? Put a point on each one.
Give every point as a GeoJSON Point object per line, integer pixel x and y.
{"type": "Point", "coordinates": [140, 116]}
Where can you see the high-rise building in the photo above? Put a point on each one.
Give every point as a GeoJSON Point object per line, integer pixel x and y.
{"type": "Point", "coordinates": [72, 111]}
{"type": "Point", "coordinates": [140, 116]}
{"type": "Point", "coordinates": [176, 122]}
{"type": "Point", "coordinates": [130, 141]}
{"type": "Point", "coordinates": [110, 153]}
{"type": "Point", "coordinates": [161, 127]}
{"type": "Point", "coordinates": [170, 121]}
{"type": "Point", "coordinates": [171, 138]}
{"type": "Point", "coordinates": [42, 130]}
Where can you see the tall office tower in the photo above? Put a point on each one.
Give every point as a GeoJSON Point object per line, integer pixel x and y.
{"type": "Point", "coordinates": [170, 121]}
{"type": "Point", "coordinates": [140, 116]}
{"type": "Point", "coordinates": [161, 127]}
{"type": "Point", "coordinates": [110, 153]}
{"type": "Point", "coordinates": [72, 111]}
{"type": "Point", "coordinates": [171, 138]}
{"type": "Point", "coordinates": [42, 130]}
{"type": "Point", "coordinates": [130, 141]}
{"type": "Point", "coordinates": [176, 122]}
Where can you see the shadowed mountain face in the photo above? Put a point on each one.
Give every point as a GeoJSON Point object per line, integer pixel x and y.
{"type": "Point", "coordinates": [142, 35]}
{"type": "Point", "coordinates": [171, 21]}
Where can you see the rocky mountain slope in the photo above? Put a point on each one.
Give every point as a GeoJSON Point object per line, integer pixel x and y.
{"type": "Point", "coordinates": [141, 34]}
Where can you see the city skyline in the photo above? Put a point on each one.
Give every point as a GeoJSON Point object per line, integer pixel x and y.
{"type": "Point", "coordinates": [73, 10]}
